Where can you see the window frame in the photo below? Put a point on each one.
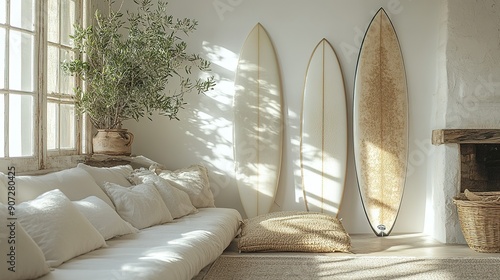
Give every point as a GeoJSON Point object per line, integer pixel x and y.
{"type": "Point", "coordinates": [58, 98]}
{"type": "Point", "coordinates": [42, 157]}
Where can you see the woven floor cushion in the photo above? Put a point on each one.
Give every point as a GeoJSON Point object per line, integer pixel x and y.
{"type": "Point", "coordinates": [294, 231]}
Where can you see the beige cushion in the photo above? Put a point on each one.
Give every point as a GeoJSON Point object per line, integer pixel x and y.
{"type": "Point", "coordinates": [177, 201]}
{"type": "Point", "coordinates": [140, 205]}
{"type": "Point", "coordinates": [294, 231]}
{"type": "Point", "coordinates": [194, 181]}
{"type": "Point", "coordinates": [144, 162]}
{"type": "Point", "coordinates": [116, 174]}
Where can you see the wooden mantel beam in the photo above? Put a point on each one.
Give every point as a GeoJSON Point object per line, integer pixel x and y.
{"type": "Point", "coordinates": [466, 136]}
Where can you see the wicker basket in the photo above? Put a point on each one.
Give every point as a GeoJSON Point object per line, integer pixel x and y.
{"type": "Point", "coordinates": [480, 222]}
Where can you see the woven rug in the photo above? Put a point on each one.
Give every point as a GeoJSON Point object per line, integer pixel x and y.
{"type": "Point", "coordinates": [362, 267]}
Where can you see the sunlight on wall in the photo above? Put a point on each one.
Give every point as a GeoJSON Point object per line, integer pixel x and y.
{"type": "Point", "coordinates": [221, 56]}
{"type": "Point", "coordinates": [214, 119]}
{"type": "Point", "coordinates": [215, 122]}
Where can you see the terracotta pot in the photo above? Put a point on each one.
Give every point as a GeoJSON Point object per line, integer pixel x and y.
{"type": "Point", "coordinates": [116, 142]}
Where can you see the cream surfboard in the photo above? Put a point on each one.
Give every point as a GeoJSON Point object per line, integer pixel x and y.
{"type": "Point", "coordinates": [258, 123]}
{"type": "Point", "coordinates": [323, 144]}
{"type": "Point", "coordinates": [380, 124]}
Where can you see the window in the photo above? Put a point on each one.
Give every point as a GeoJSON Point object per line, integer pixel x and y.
{"type": "Point", "coordinates": [38, 121]}
{"type": "Point", "coordinates": [61, 117]}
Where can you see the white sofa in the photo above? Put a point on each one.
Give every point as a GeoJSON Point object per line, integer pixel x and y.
{"type": "Point", "coordinates": [112, 223]}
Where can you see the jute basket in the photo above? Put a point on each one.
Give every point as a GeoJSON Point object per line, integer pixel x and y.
{"type": "Point", "coordinates": [480, 222]}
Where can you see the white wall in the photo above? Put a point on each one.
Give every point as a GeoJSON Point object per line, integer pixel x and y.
{"type": "Point", "coordinates": [468, 97]}
{"type": "Point", "coordinates": [204, 133]}
{"type": "Point", "coordinates": [473, 63]}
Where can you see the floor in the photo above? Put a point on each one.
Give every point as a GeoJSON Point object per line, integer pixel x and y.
{"type": "Point", "coordinates": [412, 245]}
{"type": "Point", "coordinates": [407, 245]}
{"type": "Point", "coordinates": [395, 245]}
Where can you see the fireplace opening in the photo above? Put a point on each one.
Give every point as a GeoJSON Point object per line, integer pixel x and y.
{"type": "Point", "coordinates": [480, 167]}
{"type": "Point", "coordinates": [475, 156]}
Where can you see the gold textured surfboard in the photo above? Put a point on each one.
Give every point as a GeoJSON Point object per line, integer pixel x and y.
{"type": "Point", "coordinates": [380, 124]}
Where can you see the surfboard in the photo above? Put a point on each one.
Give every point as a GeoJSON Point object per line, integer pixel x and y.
{"type": "Point", "coordinates": [323, 146]}
{"type": "Point", "coordinates": [258, 123]}
{"type": "Point", "coordinates": [380, 124]}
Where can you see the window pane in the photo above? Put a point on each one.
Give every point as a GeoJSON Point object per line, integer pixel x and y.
{"type": "Point", "coordinates": [21, 65]}
{"type": "Point", "coordinates": [83, 133]}
{"type": "Point", "coordinates": [52, 126]}
{"type": "Point", "coordinates": [20, 125]}
{"type": "Point", "coordinates": [67, 81]}
{"type": "Point", "coordinates": [67, 126]}
{"type": "Point", "coordinates": [22, 14]}
{"type": "Point", "coordinates": [67, 20]}
{"type": "Point", "coordinates": [3, 16]}
{"type": "Point", "coordinates": [2, 57]}
{"type": "Point", "coordinates": [2, 124]}
{"type": "Point", "coordinates": [53, 24]}
{"type": "Point", "coordinates": [52, 70]}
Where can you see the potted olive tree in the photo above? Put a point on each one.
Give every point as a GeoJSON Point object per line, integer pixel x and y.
{"type": "Point", "coordinates": [126, 63]}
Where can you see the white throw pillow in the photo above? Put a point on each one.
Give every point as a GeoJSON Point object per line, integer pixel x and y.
{"type": "Point", "coordinates": [58, 228]}
{"type": "Point", "coordinates": [103, 218]}
{"type": "Point", "coordinates": [116, 174]}
{"type": "Point", "coordinates": [194, 181]}
{"type": "Point", "coordinates": [139, 205]}
{"type": "Point", "coordinates": [27, 261]}
{"type": "Point", "coordinates": [144, 162]}
{"type": "Point", "coordinates": [177, 201]}
{"type": "Point", "coordinates": [75, 183]}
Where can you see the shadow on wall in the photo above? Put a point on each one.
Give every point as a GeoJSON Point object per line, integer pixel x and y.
{"type": "Point", "coordinates": [209, 126]}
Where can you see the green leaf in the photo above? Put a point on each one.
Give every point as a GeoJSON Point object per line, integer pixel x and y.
{"type": "Point", "coordinates": [128, 61]}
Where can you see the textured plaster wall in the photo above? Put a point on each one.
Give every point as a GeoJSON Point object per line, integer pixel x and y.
{"type": "Point", "coordinates": [204, 133]}
{"type": "Point", "coordinates": [473, 64]}
{"type": "Point", "coordinates": [469, 89]}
